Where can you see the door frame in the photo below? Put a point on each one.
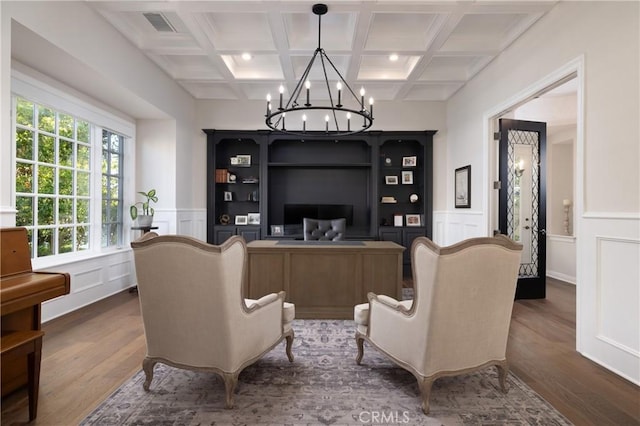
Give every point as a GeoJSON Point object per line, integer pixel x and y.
{"type": "Point", "coordinates": [571, 70]}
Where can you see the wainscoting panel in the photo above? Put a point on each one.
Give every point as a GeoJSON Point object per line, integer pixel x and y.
{"type": "Point", "coordinates": [454, 226]}
{"type": "Point", "coordinates": [91, 280]}
{"type": "Point", "coordinates": [621, 292]}
{"type": "Point", "coordinates": [193, 223]}
{"type": "Point", "coordinates": [608, 294]}
{"type": "Point", "coordinates": [561, 257]}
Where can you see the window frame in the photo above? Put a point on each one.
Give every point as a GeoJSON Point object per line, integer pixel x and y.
{"type": "Point", "coordinates": [64, 99]}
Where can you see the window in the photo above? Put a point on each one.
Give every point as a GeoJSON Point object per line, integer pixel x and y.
{"type": "Point", "coordinates": [112, 188]}
{"type": "Point", "coordinates": [56, 177]}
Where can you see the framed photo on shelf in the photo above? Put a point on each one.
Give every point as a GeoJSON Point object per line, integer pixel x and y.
{"type": "Point", "coordinates": [243, 160]}
{"type": "Point", "coordinates": [463, 187]}
{"type": "Point", "coordinates": [277, 229]}
{"type": "Point", "coordinates": [413, 220]}
{"type": "Point", "coordinates": [409, 161]}
{"type": "Point", "coordinates": [407, 177]}
{"type": "Point", "coordinates": [254, 218]}
{"type": "Point", "coordinates": [228, 196]}
{"type": "Point", "coordinates": [242, 220]}
{"type": "Point", "coordinates": [391, 180]}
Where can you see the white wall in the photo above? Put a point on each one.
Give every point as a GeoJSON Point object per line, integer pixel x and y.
{"type": "Point", "coordinates": [604, 36]}
{"type": "Point", "coordinates": [100, 66]}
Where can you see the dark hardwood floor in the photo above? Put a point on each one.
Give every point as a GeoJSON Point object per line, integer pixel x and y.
{"type": "Point", "coordinates": [89, 353]}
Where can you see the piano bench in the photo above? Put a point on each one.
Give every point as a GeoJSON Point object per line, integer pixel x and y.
{"type": "Point", "coordinates": [29, 343]}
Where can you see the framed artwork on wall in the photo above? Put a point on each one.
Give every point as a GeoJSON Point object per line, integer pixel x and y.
{"type": "Point", "coordinates": [463, 187]}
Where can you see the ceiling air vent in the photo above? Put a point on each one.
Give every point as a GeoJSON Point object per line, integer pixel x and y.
{"type": "Point", "coordinates": [159, 22]}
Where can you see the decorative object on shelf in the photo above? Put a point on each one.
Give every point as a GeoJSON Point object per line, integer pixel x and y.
{"type": "Point", "coordinates": [241, 160]}
{"type": "Point", "coordinates": [413, 198]}
{"type": "Point", "coordinates": [222, 175]}
{"type": "Point", "coordinates": [225, 219]}
{"type": "Point", "coordinates": [397, 220]}
{"type": "Point", "coordinates": [144, 218]}
{"type": "Point", "coordinates": [388, 162]}
{"type": "Point", "coordinates": [410, 161]}
{"type": "Point", "coordinates": [332, 118]}
{"type": "Point", "coordinates": [413, 220]}
{"type": "Point", "coordinates": [228, 196]}
{"type": "Point", "coordinates": [242, 219]}
{"type": "Point", "coordinates": [566, 203]}
{"type": "Point", "coordinates": [277, 230]}
{"type": "Point", "coordinates": [407, 177]}
{"type": "Point", "coordinates": [463, 187]}
{"type": "Point", "coordinates": [254, 218]}
{"type": "Point", "coordinates": [388, 200]}
{"type": "Point", "coordinates": [231, 178]}
{"type": "Point", "coordinates": [391, 180]}
{"type": "Point", "coordinates": [253, 196]}
{"type": "Point", "coordinates": [250, 179]}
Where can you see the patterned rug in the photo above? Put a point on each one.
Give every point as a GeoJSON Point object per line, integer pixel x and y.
{"type": "Point", "coordinates": [323, 386]}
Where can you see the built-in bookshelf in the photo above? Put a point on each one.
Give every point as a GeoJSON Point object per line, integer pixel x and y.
{"type": "Point", "coordinates": [381, 180]}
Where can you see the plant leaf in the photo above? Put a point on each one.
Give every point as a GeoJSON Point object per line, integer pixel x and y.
{"type": "Point", "coordinates": [133, 211]}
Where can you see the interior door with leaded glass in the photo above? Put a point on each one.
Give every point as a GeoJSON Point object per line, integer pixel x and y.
{"type": "Point", "coordinates": [522, 200]}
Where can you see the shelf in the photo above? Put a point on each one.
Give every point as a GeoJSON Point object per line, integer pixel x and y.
{"type": "Point", "coordinates": [321, 165]}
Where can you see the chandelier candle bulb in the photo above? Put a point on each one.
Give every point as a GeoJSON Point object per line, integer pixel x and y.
{"type": "Point", "coordinates": [283, 115]}
{"type": "Point", "coordinates": [304, 122]}
{"type": "Point", "coordinates": [281, 92]}
{"type": "Point", "coordinates": [326, 120]}
{"type": "Point", "coordinates": [268, 103]}
{"type": "Point", "coordinates": [362, 98]}
{"type": "Point", "coordinates": [371, 107]}
{"type": "Point", "coordinates": [339, 86]}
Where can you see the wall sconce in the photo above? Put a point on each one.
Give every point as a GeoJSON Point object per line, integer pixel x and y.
{"type": "Point", "coordinates": [519, 168]}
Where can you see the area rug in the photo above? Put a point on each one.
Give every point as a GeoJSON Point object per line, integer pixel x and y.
{"type": "Point", "coordinates": [323, 386]}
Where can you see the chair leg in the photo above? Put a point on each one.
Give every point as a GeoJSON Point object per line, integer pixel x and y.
{"type": "Point", "coordinates": [360, 343]}
{"type": "Point", "coordinates": [289, 345]}
{"type": "Point", "coordinates": [503, 372]}
{"type": "Point", "coordinates": [33, 373]}
{"type": "Point", "coordinates": [230, 382]}
{"type": "Point", "coordinates": [147, 366]}
{"type": "Point", "coordinates": [425, 390]}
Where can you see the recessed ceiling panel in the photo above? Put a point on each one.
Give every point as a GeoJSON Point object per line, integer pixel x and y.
{"type": "Point", "coordinates": [432, 92]}
{"type": "Point", "coordinates": [399, 31]}
{"type": "Point", "coordinates": [336, 33]}
{"type": "Point", "coordinates": [488, 32]}
{"type": "Point", "coordinates": [259, 67]}
{"type": "Point", "coordinates": [182, 67]}
{"type": "Point", "coordinates": [447, 68]}
{"type": "Point", "coordinates": [382, 68]}
{"type": "Point", "coordinates": [240, 31]}
{"type": "Point", "coordinates": [316, 73]}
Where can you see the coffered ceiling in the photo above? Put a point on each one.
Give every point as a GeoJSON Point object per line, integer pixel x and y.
{"type": "Point", "coordinates": [439, 45]}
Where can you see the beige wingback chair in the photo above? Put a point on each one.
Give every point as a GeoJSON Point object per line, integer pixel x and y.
{"type": "Point", "coordinates": [193, 312]}
{"type": "Point", "coordinates": [458, 321]}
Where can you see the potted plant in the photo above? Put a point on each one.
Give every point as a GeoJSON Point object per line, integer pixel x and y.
{"type": "Point", "coordinates": [144, 217]}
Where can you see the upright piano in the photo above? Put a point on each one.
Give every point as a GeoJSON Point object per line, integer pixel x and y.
{"type": "Point", "coordinates": [21, 293]}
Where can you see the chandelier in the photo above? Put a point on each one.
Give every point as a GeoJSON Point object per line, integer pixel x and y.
{"type": "Point", "coordinates": [347, 116]}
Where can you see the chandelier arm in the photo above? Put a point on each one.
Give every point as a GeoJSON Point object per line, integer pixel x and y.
{"type": "Point", "coordinates": [326, 79]}
{"type": "Point", "coordinates": [296, 92]}
{"type": "Point", "coordinates": [345, 82]}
